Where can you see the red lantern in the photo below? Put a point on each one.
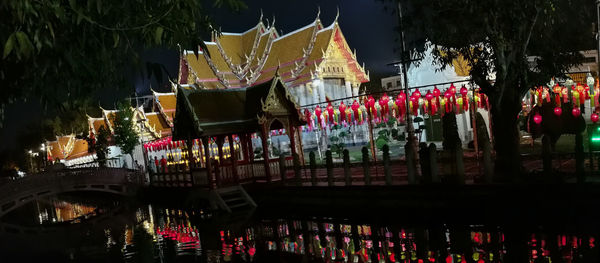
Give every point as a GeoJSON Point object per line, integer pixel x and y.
{"type": "Point", "coordinates": [558, 111]}
{"type": "Point", "coordinates": [370, 105]}
{"type": "Point", "coordinates": [436, 94]}
{"type": "Point", "coordinates": [464, 91]}
{"type": "Point", "coordinates": [355, 107]}
{"type": "Point", "coordinates": [429, 98]}
{"type": "Point", "coordinates": [401, 104]}
{"type": "Point", "coordinates": [330, 113]}
{"type": "Point", "coordinates": [416, 94]}
{"type": "Point", "coordinates": [537, 118]}
{"type": "Point", "coordinates": [448, 96]}
{"type": "Point", "coordinates": [342, 109]}
{"type": "Point", "coordinates": [318, 114]}
{"type": "Point", "coordinates": [383, 103]}
{"type": "Point", "coordinates": [594, 117]}
{"type": "Point", "coordinates": [576, 112]}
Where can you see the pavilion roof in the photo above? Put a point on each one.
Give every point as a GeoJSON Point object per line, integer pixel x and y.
{"type": "Point", "coordinates": [204, 112]}
{"type": "Point", "coordinates": [166, 104]}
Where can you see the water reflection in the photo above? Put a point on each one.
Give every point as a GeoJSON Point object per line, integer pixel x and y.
{"type": "Point", "coordinates": [156, 234]}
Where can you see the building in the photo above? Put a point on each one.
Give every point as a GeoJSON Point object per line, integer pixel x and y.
{"type": "Point", "coordinates": [392, 83]}
{"type": "Point", "coordinates": [315, 62]}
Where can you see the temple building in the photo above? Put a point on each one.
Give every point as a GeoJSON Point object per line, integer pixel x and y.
{"type": "Point", "coordinates": [315, 62]}
{"type": "Point", "coordinates": [68, 150]}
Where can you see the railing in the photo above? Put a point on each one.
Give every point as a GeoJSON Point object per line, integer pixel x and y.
{"type": "Point", "coordinates": [430, 166]}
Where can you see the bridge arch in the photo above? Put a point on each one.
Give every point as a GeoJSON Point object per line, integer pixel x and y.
{"type": "Point", "coordinates": [110, 180]}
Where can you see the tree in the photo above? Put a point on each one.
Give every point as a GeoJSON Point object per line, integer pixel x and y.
{"type": "Point", "coordinates": [496, 37]}
{"type": "Point", "coordinates": [64, 53]}
{"type": "Point", "coordinates": [125, 135]}
{"type": "Point", "coordinates": [100, 145]}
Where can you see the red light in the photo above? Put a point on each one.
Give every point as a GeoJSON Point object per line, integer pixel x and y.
{"type": "Point", "coordinates": [537, 118]}
{"type": "Point", "coordinates": [558, 111]}
{"type": "Point", "coordinates": [594, 117]}
{"type": "Point", "coordinates": [576, 112]}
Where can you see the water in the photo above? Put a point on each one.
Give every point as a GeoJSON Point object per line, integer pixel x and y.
{"type": "Point", "coordinates": [99, 228]}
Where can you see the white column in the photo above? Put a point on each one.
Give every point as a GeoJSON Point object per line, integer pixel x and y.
{"type": "Point", "coordinates": [301, 95]}
{"type": "Point", "coordinates": [307, 95]}
{"type": "Point", "coordinates": [318, 84]}
{"type": "Point", "coordinates": [315, 92]}
{"type": "Point", "coordinates": [355, 90]}
{"type": "Point", "coordinates": [348, 91]}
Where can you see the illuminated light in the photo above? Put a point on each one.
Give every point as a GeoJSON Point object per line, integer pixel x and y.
{"type": "Point", "coordinates": [595, 139]}
{"type": "Point", "coordinates": [537, 118]}
{"type": "Point", "coordinates": [594, 117]}
{"type": "Point", "coordinates": [576, 112]}
{"type": "Point", "coordinates": [558, 111]}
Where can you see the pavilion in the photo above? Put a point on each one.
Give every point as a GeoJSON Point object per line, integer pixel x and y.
{"type": "Point", "coordinates": [216, 114]}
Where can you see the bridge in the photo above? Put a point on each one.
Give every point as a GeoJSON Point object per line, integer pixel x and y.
{"type": "Point", "coordinates": [110, 180]}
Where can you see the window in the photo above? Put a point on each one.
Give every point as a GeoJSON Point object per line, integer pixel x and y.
{"type": "Point", "coordinates": [398, 83]}
{"type": "Point", "coordinates": [388, 85]}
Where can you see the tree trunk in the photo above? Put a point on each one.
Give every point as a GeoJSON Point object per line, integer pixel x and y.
{"type": "Point", "coordinates": [506, 139]}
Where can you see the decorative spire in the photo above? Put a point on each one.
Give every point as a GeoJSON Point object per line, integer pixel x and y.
{"type": "Point", "coordinates": [337, 14]}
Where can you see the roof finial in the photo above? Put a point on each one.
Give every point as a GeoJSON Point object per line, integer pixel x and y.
{"type": "Point", "coordinates": [337, 14]}
{"type": "Point", "coordinates": [273, 23]}
{"type": "Point", "coordinates": [318, 12]}
{"type": "Point", "coordinates": [261, 16]}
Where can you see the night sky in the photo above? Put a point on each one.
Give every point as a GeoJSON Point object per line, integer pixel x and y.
{"type": "Point", "coordinates": [369, 27]}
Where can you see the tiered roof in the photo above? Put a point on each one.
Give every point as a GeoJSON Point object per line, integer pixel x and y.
{"type": "Point", "coordinates": [66, 148]}
{"type": "Point", "coordinates": [252, 57]}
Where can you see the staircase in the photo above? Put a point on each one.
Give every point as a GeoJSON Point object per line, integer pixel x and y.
{"type": "Point", "coordinates": [231, 199]}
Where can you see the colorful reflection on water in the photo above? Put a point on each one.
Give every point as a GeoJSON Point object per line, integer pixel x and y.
{"type": "Point", "coordinates": [155, 234]}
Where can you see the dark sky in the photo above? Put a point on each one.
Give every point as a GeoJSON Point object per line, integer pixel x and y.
{"type": "Point", "coordinates": [366, 24]}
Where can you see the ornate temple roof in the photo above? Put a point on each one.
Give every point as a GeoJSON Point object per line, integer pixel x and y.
{"type": "Point", "coordinates": [212, 112]}
{"type": "Point", "coordinates": [67, 147]}
{"type": "Point", "coordinates": [234, 60]}
{"type": "Point", "coordinates": [165, 104]}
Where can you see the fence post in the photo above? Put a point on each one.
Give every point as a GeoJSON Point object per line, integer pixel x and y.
{"type": "Point", "coordinates": [386, 164]}
{"type": "Point", "coordinates": [297, 171]}
{"type": "Point", "coordinates": [579, 158]}
{"type": "Point", "coordinates": [460, 167]}
{"type": "Point", "coordinates": [365, 164]}
{"type": "Point", "coordinates": [410, 164]}
{"type": "Point", "coordinates": [313, 168]}
{"type": "Point", "coordinates": [433, 163]}
{"type": "Point", "coordinates": [282, 168]}
{"type": "Point", "coordinates": [488, 168]}
{"type": "Point", "coordinates": [347, 175]}
{"type": "Point", "coordinates": [329, 165]}
{"type": "Point", "coordinates": [424, 161]}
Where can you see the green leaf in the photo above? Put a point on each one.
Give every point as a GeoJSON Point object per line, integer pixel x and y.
{"type": "Point", "coordinates": [8, 46]}
{"type": "Point", "coordinates": [99, 6]}
{"type": "Point", "coordinates": [116, 38]}
{"type": "Point", "coordinates": [24, 43]}
{"type": "Point", "coordinates": [158, 34]}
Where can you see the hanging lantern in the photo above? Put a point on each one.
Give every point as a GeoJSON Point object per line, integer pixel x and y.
{"type": "Point", "coordinates": [370, 105]}
{"type": "Point", "coordinates": [383, 103]}
{"type": "Point", "coordinates": [318, 114]}
{"type": "Point", "coordinates": [448, 102]}
{"type": "Point", "coordinates": [557, 90]}
{"type": "Point", "coordinates": [537, 118]}
{"type": "Point", "coordinates": [594, 117]}
{"type": "Point", "coordinates": [558, 111]}
{"type": "Point", "coordinates": [429, 98]}
{"type": "Point", "coordinates": [355, 107]}
{"type": "Point", "coordinates": [465, 100]}
{"type": "Point", "coordinates": [416, 94]}
{"type": "Point", "coordinates": [436, 94]}
{"type": "Point", "coordinates": [342, 109]}
{"type": "Point", "coordinates": [330, 113]}
{"type": "Point", "coordinates": [401, 105]}
{"type": "Point", "coordinates": [576, 112]}
{"type": "Point", "coordinates": [308, 118]}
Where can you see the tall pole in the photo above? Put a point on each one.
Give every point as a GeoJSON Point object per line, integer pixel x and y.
{"type": "Point", "coordinates": [598, 35]}
{"type": "Point", "coordinates": [405, 61]}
